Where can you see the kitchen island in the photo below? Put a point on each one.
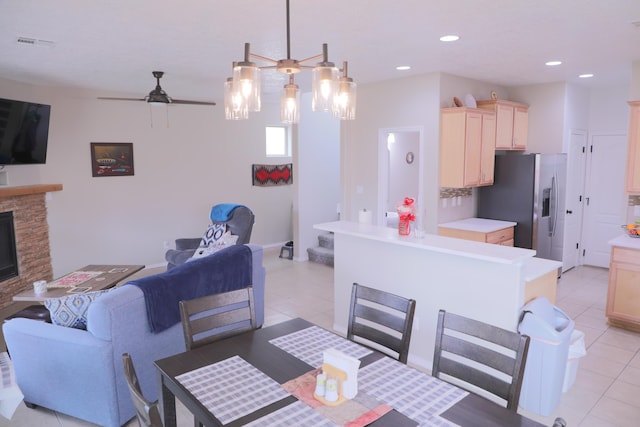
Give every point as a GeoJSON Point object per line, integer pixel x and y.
{"type": "Point", "coordinates": [474, 279]}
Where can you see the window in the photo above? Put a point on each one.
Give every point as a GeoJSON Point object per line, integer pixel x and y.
{"type": "Point", "coordinates": [277, 142]}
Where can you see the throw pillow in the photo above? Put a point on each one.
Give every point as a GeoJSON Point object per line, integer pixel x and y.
{"type": "Point", "coordinates": [213, 234]}
{"type": "Point", "coordinates": [71, 311]}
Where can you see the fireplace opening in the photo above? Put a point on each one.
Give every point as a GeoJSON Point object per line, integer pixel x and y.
{"type": "Point", "coordinates": [8, 257]}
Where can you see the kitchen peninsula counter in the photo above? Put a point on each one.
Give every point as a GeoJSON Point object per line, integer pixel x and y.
{"type": "Point", "coordinates": [474, 279]}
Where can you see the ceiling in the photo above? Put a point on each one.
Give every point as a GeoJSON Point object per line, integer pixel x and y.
{"type": "Point", "coordinates": [112, 46]}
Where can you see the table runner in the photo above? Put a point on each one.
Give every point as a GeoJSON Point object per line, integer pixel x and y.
{"type": "Point", "coordinates": [248, 387]}
{"type": "Point", "coordinates": [295, 415]}
{"type": "Point", "coordinates": [309, 343]}
{"type": "Point", "coordinates": [357, 412]}
{"type": "Point", "coordinates": [414, 394]}
{"type": "Point", "coordinates": [73, 279]}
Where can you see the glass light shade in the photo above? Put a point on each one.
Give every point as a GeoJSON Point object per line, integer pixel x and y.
{"type": "Point", "coordinates": [234, 107]}
{"type": "Point", "coordinates": [246, 82]}
{"type": "Point", "coordinates": [290, 104]}
{"type": "Point", "coordinates": [344, 102]}
{"type": "Point", "coordinates": [325, 76]}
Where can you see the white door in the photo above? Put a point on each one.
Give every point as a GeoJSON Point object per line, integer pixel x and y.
{"type": "Point", "coordinates": [576, 165]}
{"type": "Point", "coordinates": [605, 200]}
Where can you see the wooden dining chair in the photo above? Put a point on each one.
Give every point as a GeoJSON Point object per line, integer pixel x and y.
{"type": "Point", "coordinates": [468, 350]}
{"type": "Point", "coordinates": [214, 317]}
{"type": "Point", "coordinates": [383, 318]}
{"type": "Point", "coordinates": [147, 412]}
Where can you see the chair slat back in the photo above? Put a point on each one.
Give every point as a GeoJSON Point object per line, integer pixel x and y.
{"type": "Point", "coordinates": [214, 317]}
{"type": "Point", "coordinates": [382, 318]}
{"type": "Point", "coordinates": [482, 355]}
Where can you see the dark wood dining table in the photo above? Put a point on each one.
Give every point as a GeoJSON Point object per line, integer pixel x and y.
{"type": "Point", "coordinates": [254, 347]}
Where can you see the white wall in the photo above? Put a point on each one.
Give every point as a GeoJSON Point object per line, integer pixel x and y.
{"type": "Point", "coordinates": [407, 102]}
{"type": "Point", "coordinates": [609, 111]}
{"type": "Point", "coordinates": [180, 172]}
{"type": "Point", "coordinates": [317, 180]}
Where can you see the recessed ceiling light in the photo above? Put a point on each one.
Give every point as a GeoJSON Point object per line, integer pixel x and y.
{"type": "Point", "coordinates": [403, 67]}
{"type": "Point", "coordinates": [553, 63]}
{"type": "Point", "coordinates": [449, 38]}
{"type": "Point", "coordinates": [585, 76]}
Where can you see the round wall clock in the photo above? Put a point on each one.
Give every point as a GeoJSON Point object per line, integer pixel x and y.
{"type": "Point", "coordinates": [409, 157]}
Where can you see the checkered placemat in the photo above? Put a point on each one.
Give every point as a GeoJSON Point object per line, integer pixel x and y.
{"type": "Point", "coordinates": [415, 394]}
{"type": "Point", "coordinates": [308, 345]}
{"type": "Point", "coordinates": [232, 388]}
{"type": "Point", "coordinates": [295, 415]}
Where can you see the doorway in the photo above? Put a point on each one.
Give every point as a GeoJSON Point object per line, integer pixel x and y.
{"type": "Point", "coordinates": [605, 201]}
{"type": "Point", "coordinates": [576, 165]}
{"type": "Point", "coordinates": [400, 172]}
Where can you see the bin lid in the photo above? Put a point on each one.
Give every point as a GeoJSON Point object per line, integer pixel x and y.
{"type": "Point", "coordinates": [542, 308]}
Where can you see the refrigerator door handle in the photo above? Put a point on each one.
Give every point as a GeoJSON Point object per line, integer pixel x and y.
{"type": "Point", "coordinates": [553, 205]}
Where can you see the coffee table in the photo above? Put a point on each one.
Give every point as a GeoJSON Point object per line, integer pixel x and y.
{"type": "Point", "coordinates": [91, 277]}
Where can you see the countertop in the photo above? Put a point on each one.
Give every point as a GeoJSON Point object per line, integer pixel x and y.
{"type": "Point", "coordinates": [624, 241]}
{"type": "Point", "coordinates": [536, 267]}
{"type": "Point", "coordinates": [432, 242]}
{"type": "Point", "coordinates": [480, 225]}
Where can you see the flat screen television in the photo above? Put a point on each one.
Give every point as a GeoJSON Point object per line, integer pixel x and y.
{"type": "Point", "coordinates": [24, 132]}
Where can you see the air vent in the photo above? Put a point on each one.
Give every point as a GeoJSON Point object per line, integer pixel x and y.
{"type": "Point", "coordinates": [28, 41]}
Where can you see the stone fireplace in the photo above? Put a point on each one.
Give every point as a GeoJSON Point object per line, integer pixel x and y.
{"type": "Point", "coordinates": [31, 229]}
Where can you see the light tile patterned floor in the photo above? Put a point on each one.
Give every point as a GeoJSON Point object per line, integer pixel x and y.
{"type": "Point", "coordinates": [607, 388]}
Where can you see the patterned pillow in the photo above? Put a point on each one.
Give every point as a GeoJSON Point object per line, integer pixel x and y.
{"type": "Point", "coordinates": [71, 311]}
{"type": "Point", "coordinates": [213, 234]}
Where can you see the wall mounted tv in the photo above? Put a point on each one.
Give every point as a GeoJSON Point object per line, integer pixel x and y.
{"type": "Point", "coordinates": [24, 132]}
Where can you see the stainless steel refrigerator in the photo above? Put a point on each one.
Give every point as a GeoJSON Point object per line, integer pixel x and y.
{"type": "Point", "coordinates": [529, 189]}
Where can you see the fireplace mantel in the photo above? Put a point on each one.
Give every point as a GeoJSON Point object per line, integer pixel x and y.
{"type": "Point", "coordinates": [28, 189]}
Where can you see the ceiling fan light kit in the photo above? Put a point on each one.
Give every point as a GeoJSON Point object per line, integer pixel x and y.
{"type": "Point", "coordinates": [330, 92]}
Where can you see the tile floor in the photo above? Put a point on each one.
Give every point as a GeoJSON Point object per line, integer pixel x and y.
{"type": "Point", "coordinates": [607, 388]}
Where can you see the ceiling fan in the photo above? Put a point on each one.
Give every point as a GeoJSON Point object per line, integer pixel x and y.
{"type": "Point", "coordinates": [159, 96]}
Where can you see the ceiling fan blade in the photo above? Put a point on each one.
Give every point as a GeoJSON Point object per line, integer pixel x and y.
{"type": "Point", "coordinates": [159, 96]}
{"type": "Point", "coordinates": [121, 99]}
{"type": "Point", "coordinates": [183, 101]}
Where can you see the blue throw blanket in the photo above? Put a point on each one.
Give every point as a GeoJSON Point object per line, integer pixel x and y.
{"type": "Point", "coordinates": [226, 270]}
{"type": "Point", "coordinates": [222, 212]}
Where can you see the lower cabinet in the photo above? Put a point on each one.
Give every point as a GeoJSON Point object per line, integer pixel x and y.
{"type": "Point", "coordinates": [623, 298]}
{"type": "Point", "coordinates": [499, 237]}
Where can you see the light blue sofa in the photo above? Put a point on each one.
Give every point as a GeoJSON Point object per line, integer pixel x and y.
{"type": "Point", "coordinates": [80, 372]}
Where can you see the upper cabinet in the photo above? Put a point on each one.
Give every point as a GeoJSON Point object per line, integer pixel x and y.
{"type": "Point", "coordinates": [467, 138]}
{"type": "Point", "coordinates": [633, 150]}
{"type": "Point", "coordinates": [512, 123]}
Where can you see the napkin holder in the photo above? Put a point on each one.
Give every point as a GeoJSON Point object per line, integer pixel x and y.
{"type": "Point", "coordinates": [344, 369]}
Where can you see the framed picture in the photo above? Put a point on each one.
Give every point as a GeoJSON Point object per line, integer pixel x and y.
{"type": "Point", "coordinates": [111, 158]}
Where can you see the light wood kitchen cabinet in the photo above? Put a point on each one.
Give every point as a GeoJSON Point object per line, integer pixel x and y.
{"type": "Point", "coordinates": [502, 236]}
{"type": "Point", "coordinates": [633, 150]}
{"type": "Point", "coordinates": [512, 123]}
{"type": "Point", "coordinates": [467, 138]}
{"type": "Point", "coordinates": [623, 298]}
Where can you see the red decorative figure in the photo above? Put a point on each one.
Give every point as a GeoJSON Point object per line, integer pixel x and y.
{"type": "Point", "coordinates": [406, 216]}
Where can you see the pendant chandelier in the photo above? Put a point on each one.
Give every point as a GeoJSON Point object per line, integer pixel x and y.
{"type": "Point", "coordinates": [330, 91]}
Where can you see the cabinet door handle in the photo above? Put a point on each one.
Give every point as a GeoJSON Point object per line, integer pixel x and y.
{"type": "Point", "coordinates": [569, 212]}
